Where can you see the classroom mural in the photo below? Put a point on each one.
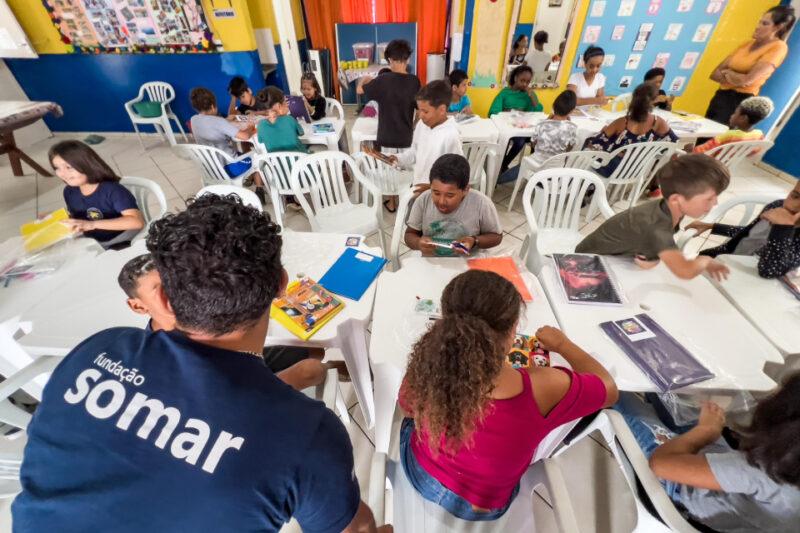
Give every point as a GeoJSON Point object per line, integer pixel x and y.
{"type": "Point", "coordinates": [115, 26]}
{"type": "Point", "coordinates": [489, 42]}
{"type": "Point", "coordinates": [638, 35]}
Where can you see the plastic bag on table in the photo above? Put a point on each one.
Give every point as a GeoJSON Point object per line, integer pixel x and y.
{"type": "Point", "coordinates": [18, 264]}
{"type": "Point", "coordinates": [685, 409]}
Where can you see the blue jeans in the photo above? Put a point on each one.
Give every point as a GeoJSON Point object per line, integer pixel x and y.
{"type": "Point", "coordinates": [509, 175]}
{"type": "Point", "coordinates": [433, 491]}
{"type": "Point", "coordinates": [650, 432]}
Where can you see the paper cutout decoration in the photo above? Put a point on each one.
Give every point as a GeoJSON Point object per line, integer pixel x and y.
{"type": "Point", "coordinates": [598, 8]}
{"type": "Point", "coordinates": [625, 82]}
{"type": "Point", "coordinates": [677, 84]}
{"type": "Point", "coordinates": [654, 7]}
{"type": "Point", "coordinates": [592, 34]}
{"type": "Point", "coordinates": [689, 60]}
{"type": "Point", "coordinates": [673, 32]}
{"type": "Point", "coordinates": [714, 6]}
{"type": "Point", "coordinates": [608, 60]}
{"type": "Point", "coordinates": [626, 8]}
{"type": "Point", "coordinates": [618, 33]}
{"type": "Point", "coordinates": [702, 33]}
{"type": "Point", "coordinates": [645, 30]}
{"type": "Point", "coordinates": [633, 61]}
{"type": "Point", "coordinates": [661, 60]}
{"type": "Point", "coordinates": [684, 6]}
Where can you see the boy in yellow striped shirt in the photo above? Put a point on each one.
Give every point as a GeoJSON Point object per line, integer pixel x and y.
{"type": "Point", "coordinates": [750, 112]}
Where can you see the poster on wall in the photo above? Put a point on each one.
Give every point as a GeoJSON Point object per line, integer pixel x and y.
{"type": "Point", "coordinates": [652, 33]}
{"type": "Point", "coordinates": [115, 26]}
{"type": "Point", "coordinates": [490, 43]}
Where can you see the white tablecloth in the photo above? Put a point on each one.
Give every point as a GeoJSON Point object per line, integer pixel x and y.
{"type": "Point", "coordinates": [692, 311]}
{"type": "Point", "coordinates": [366, 129]}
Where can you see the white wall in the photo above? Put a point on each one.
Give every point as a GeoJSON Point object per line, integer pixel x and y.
{"type": "Point", "coordinates": [11, 90]}
{"type": "Point", "coordinates": [554, 21]}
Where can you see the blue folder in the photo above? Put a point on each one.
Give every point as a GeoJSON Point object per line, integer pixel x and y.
{"type": "Point", "coordinates": [352, 274]}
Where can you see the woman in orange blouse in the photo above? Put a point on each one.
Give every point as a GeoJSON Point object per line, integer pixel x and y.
{"type": "Point", "coordinates": [742, 73]}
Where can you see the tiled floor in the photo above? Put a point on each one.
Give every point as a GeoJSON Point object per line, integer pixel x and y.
{"type": "Point", "coordinates": [22, 198]}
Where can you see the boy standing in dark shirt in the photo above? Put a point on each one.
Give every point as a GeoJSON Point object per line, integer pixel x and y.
{"type": "Point", "coordinates": [395, 93]}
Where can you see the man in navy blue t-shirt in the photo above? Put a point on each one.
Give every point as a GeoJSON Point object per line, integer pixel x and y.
{"type": "Point", "coordinates": [188, 430]}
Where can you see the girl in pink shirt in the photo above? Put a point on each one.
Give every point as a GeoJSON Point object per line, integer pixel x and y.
{"type": "Point", "coordinates": [474, 421]}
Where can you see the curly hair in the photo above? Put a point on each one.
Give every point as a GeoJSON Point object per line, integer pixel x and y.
{"type": "Point", "coordinates": [770, 441]}
{"type": "Point", "coordinates": [522, 69]}
{"type": "Point", "coordinates": [452, 368]}
{"type": "Point", "coordinates": [756, 108]}
{"type": "Point", "coordinates": [220, 263]}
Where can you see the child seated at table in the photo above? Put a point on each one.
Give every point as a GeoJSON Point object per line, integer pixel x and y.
{"type": "Point", "coordinates": [774, 236]}
{"type": "Point", "coordinates": [312, 96]}
{"type": "Point", "coordinates": [395, 93]}
{"type": "Point", "coordinates": [690, 185]}
{"type": "Point", "coordinates": [436, 134]}
{"type": "Point", "coordinates": [516, 97]}
{"type": "Point", "coordinates": [749, 485]}
{"type": "Point", "coordinates": [749, 113]}
{"type": "Point", "coordinates": [555, 135]}
{"type": "Point", "coordinates": [452, 212]}
{"type": "Point", "coordinates": [473, 421]}
{"type": "Point", "coordinates": [98, 205]}
{"type": "Point", "coordinates": [298, 367]}
{"type": "Point", "coordinates": [211, 129]}
{"type": "Point", "coordinates": [655, 77]}
{"type": "Point", "coordinates": [248, 104]}
{"type": "Point", "coordinates": [459, 101]}
{"type": "Point", "coordinates": [280, 131]}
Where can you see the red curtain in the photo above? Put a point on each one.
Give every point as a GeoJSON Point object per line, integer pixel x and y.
{"type": "Point", "coordinates": [357, 11]}
{"type": "Point", "coordinates": [321, 18]}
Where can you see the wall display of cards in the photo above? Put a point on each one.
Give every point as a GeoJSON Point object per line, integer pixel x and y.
{"type": "Point", "coordinates": [145, 26]}
{"type": "Point", "coordinates": [650, 33]}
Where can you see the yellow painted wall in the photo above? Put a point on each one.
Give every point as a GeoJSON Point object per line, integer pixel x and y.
{"type": "Point", "coordinates": [263, 16]}
{"type": "Point", "coordinates": [41, 32]}
{"type": "Point", "coordinates": [236, 33]}
{"type": "Point", "coordinates": [527, 12]}
{"type": "Point", "coordinates": [482, 98]}
{"type": "Point", "coordinates": [735, 26]}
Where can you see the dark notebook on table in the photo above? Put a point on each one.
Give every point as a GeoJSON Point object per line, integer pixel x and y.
{"type": "Point", "coordinates": [663, 359]}
{"type": "Point", "coordinates": [586, 279]}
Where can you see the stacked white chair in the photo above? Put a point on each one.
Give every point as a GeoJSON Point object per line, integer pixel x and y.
{"type": "Point", "coordinates": [482, 157]}
{"type": "Point", "coordinates": [330, 209]}
{"type": "Point", "coordinates": [212, 163]}
{"type": "Point", "coordinates": [552, 201]}
{"type": "Point", "coordinates": [390, 181]}
{"type": "Point", "coordinates": [731, 154]}
{"type": "Point", "coordinates": [399, 231]}
{"type": "Point", "coordinates": [162, 92]}
{"type": "Point", "coordinates": [146, 191]}
{"type": "Point", "coordinates": [582, 160]}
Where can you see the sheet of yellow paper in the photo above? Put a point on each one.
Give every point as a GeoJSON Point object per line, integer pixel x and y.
{"type": "Point", "coordinates": [40, 234]}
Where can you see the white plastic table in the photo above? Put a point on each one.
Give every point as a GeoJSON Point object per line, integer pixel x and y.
{"type": "Point", "coordinates": [764, 302]}
{"type": "Point", "coordinates": [92, 301]}
{"type": "Point", "coordinates": [692, 311]}
{"type": "Point", "coordinates": [330, 140]}
{"type": "Point", "coordinates": [483, 129]}
{"type": "Point", "coordinates": [396, 326]}
{"type": "Point", "coordinates": [20, 295]}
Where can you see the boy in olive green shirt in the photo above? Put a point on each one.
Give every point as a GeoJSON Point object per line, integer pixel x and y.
{"type": "Point", "coordinates": [690, 185]}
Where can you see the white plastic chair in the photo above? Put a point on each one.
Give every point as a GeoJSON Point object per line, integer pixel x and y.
{"type": "Point", "coordinates": [621, 102]}
{"type": "Point", "coordinates": [276, 167]}
{"type": "Point", "coordinates": [329, 393]}
{"type": "Point", "coordinates": [553, 212]}
{"type": "Point", "coordinates": [212, 162]}
{"type": "Point", "coordinates": [331, 105]}
{"type": "Point", "coordinates": [156, 91]}
{"type": "Point", "coordinates": [482, 157]}
{"type": "Point", "coordinates": [330, 209]}
{"type": "Point", "coordinates": [22, 373]}
{"type": "Point", "coordinates": [752, 205]}
{"type": "Point", "coordinates": [638, 163]}
{"type": "Point", "coordinates": [389, 180]}
{"type": "Point", "coordinates": [731, 154]}
{"type": "Point", "coordinates": [635, 469]}
{"type": "Point", "coordinates": [399, 231]}
{"type": "Point", "coordinates": [582, 160]}
{"type": "Point", "coordinates": [247, 196]}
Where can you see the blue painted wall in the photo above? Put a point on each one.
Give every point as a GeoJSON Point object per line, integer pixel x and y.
{"type": "Point", "coordinates": [784, 154]}
{"type": "Point", "coordinates": [93, 88]}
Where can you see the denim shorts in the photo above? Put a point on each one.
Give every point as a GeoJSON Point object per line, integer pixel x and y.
{"type": "Point", "coordinates": [430, 488]}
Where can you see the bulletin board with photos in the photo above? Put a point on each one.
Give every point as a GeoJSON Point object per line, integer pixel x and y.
{"type": "Point", "coordinates": [638, 35]}
{"type": "Point", "coordinates": [144, 26]}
